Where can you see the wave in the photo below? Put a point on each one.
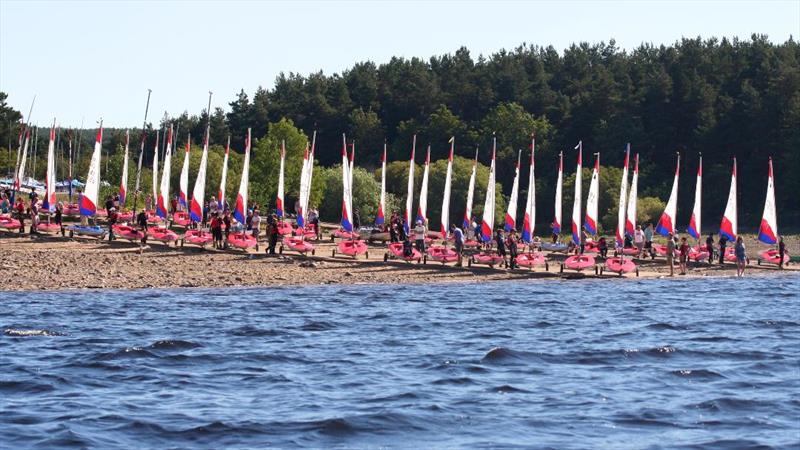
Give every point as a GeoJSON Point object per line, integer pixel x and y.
{"type": "Point", "coordinates": [249, 330]}
{"type": "Point", "coordinates": [18, 332]}
{"type": "Point", "coordinates": [700, 374]}
{"type": "Point", "coordinates": [173, 345]}
{"type": "Point", "coordinates": [317, 326]}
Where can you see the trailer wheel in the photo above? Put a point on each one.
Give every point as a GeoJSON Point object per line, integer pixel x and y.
{"type": "Point", "coordinates": [759, 261]}
{"type": "Point", "coordinates": [546, 266]}
{"type": "Point", "coordinates": [425, 259]}
{"type": "Point", "coordinates": [637, 271]}
{"type": "Point", "coordinates": [333, 253]}
{"type": "Point", "coordinates": [312, 252]}
{"type": "Point", "coordinates": [620, 273]}
{"type": "Point", "coordinates": [367, 255]}
{"type": "Point", "coordinates": [332, 238]}
{"type": "Point", "coordinates": [469, 262]}
{"type": "Point", "coordinates": [280, 250]}
{"type": "Point", "coordinates": [596, 271]}
{"type": "Point", "coordinates": [181, 243]}
{"type": "Point", "coordinates": [71, 234]}
{"type": "Point", "coordinates": [385, 257]}
{"type": "Point", "coordinates": [562, 269]}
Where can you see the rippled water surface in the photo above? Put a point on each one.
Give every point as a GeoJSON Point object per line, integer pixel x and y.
{"type": "Point", "coordinates": [611, 364]}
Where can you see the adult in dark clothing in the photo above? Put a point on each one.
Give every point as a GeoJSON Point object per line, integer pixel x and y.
{"type": "Point", "coordinates": [602, 246]}
{"type": "Point", "coordinates": [109, 204]}
{"type": "Point", "coordinates": [112, 220]}
{"type": "Point", "coordinates": [226, 226]}
{"type": "Point", "coordinates": [273, 237]}
{"type": "Point", "coordinates": [57, 217]}
{"type": "Point", "coordinates": [356, 220]}
{"type": "Point", "coordinates": [723, 241]}
{"type": "Point", "coordinates": [501, 245]}
{"type": "Point", "coordinates": [141, 220]}
{"type": "Point", "coordinates": [710, 247]}
{"type": "Point", "coordinates": [408, 247]}
{"type": "Point", "coordinates": [511, 243]}
{"type": "Point", "coordinates": [781, 251]}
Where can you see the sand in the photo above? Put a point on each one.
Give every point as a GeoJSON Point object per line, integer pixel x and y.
{"type": "Point", "coordinates": [53, 262]}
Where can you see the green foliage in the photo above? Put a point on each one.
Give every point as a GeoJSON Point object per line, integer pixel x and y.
{"type": "Point", "coordinates": [366, 195]}
{"type": "Point", "coordinates": [648, 210]}
{"type": "Point", "coordinates": [265, 165]}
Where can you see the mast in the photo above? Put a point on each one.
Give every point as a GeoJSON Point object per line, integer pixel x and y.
{"type": "Point", "coordinates": [141, 153]}
{"type": "Point", "coordinates": [279, 198]}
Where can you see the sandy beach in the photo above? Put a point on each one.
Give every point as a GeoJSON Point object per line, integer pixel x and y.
{"type": "Point", "coordinates": [53, 262]}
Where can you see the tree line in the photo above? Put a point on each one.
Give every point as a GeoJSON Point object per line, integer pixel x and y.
{"type": "Point", "coordinates": [718, 97]}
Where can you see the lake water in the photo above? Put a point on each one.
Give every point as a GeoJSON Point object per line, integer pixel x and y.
{"type": "Point", "coordinates": [702, 363]}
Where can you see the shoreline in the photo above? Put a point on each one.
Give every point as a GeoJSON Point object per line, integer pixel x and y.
{"type": "Point", "coordinates": [51, 262]}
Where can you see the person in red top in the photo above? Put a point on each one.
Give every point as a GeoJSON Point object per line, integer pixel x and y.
{"type": "Point", "coordinates": [20, 208]}
{"type": "Point", "coordinates": [684, 254]}
{"type": "Point", "coordinates": [216, 230]}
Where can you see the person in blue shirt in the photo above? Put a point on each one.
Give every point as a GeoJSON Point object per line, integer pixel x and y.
{"type": "Point", "coordinates": [458, 239]}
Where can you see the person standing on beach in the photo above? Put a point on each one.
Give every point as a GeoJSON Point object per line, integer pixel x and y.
{"type": "Point", "coordinates": [420, 231]}
{"type": "Point", "coordinates": [639, 240]}
{"type": "Point", "coordinates": [723, 241]}
{"type": "Point", "coordinates": [710, 247]}
{"type": "Point", "coordinates": [356, 220]}
{"type": "Point", "coordinates": [458, 241]}
{"type": "Point", "coordinates": [255, 224]}
{"type": "Point", "coordinates": [684, 254]}
{"type": "Point", "coordinates": [555, 235]}
{"type": "Point", "coordinates": [20, 210]}
{"type": "Point", "coordinates": [112, 220]}
{"type": "Point", "coordinates": [648, 240]}
{"type": "Point", "coordinates": [141, 220]}
{"type": "Point", "coordinates": [226, 223]}
{"type": "Point", "coordinates": [781, 251]}
{"type": "Point", "coordinates": [671, 254]}
{"type": "Point", "coordinates": [216, 230]}
{"type": "Point", "coordinates": [511, 243]}
{"type": "Point", "coordinates": [501, 245]}
{"type": "Point", "coordinates": [58, 216]}
{"type": "Point", "coordinates": [602, 247]}
{"type": "Point", "coordinates": [741, 256]}
{"type": "Point", "coordinates": [273, 234]}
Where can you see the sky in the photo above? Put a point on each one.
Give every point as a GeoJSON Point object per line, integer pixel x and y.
{"type": "Point", "coordinates": [86, 60]}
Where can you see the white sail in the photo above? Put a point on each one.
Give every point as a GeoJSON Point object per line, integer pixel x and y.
{"type": "Point", "coordinates": [123, 182]}
{"type": "Point", "coordinates": [559, 187]}
{"type": "Point", "coordinates": [155, 169]}
{"type": "Point", "coordinates": [729, 219]}
{"type": "Point", "coordinates": [196, 206]}
{"type": "Point", "coordinates": [162, 205]}
{"type": "Point", "coordinates": [768, 231]}
{"type": "Point", "coordinates": [380, 218]}
{"type": "Point", "coordinates": [183, 198]}
{"type": "Point", "coordinates": [347, 198]}
{"type": "Point", "coordinates": [667, 223]}
{"type": "Point", "coordinates": [279, 197]}
{"type": "Point", "coordinates": [576, 205]}
{"type": "Point", "coordinates": [49, 201]}
{"type": "Point", "coordinates": [630, 221]}
{"type": "Point", "coordinates": [487, 226]}
{"type": "Point", "coordinates": [223, 181]}
{"type": "Point", "coordinates": [410, 188]}
{"type": "Point", "coordinates": [592, 199]}
{"type": "Point", "coordinates": [445, 217]}
{"type": "Point", "coordinates": [695, 221]}
{"type": "Point", "coordinates": [529, 220]}
{"type": "Point", "coordinates": [467, 223]}
{"type": "Point", "coordinates": [88, 205]}
{"type": "Point", "coordinates": [240, 208]}
{"type": "Point", "coordinates": [20, 176]}
{"type": "Point", "coordinates": [303, 200]}
{"type": "Point", "coordinates": [422, 209]}
{"type": "Point", "coordinates": [623, 199]}
{"type": "Point", "coordinates": [511, 211]}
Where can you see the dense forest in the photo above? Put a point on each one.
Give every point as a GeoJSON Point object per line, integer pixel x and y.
{"type": "Point", "coordinates": [718, 97]}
